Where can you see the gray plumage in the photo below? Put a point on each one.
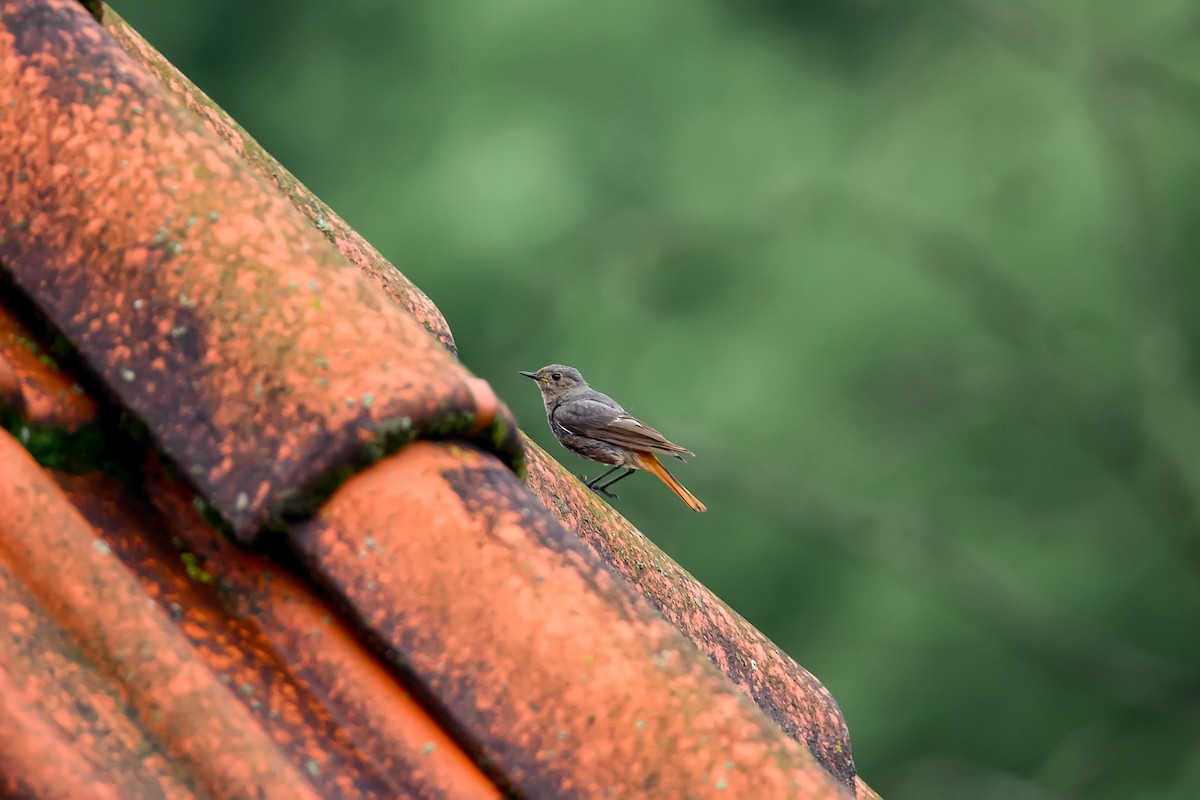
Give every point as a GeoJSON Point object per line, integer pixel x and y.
{"type": "Point", "coordinates": [593, 425]}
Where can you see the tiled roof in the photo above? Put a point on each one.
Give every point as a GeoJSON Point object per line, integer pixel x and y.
{"type": "Point", "coordinates": [262, 535]}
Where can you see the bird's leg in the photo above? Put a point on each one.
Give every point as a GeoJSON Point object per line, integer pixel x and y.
{"type": "Point", "coordinates": [592, 484]}
{"type": "Point", "coordinates": [604, 489]}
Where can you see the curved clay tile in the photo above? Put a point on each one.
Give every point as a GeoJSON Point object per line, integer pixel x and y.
{"type": "Point", "coordinates": [565, 679]}
{"type": "Point", "coordinates": [142, 668]}
{"type": "Point", "coordinates": [260, 361]}
{"type": "Point", "coordinates": [350, 244]}
{"type": "Point", "coordinates": [32, 384]}
{"type": "Point", "coordinates": [85, 638]}
{"type": "Point", "coordinates": [787, 692]}
{"type": "Point", "coordinates": [538, 660]}
{"type": "Point", "coordinates": [784, 690]}
{"type": "Point", "coordinates": [270, 372]}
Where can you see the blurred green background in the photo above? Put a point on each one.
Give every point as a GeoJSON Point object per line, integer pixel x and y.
{"type": "Point", "coordinates": [916, 281]}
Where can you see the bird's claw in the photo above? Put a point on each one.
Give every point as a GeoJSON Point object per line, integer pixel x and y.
{"type": "Point", "coordinates": [591, 485]}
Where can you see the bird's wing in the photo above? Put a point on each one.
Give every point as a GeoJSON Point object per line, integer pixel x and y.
{"type": "Point", "coordinates": [598, 420]}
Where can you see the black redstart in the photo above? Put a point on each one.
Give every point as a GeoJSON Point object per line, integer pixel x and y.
{"type": "Point", "coordinates": [593, 425]}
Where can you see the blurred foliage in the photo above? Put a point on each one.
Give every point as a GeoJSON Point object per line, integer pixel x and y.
{"type": "Point", "coordinates": [916, 281]}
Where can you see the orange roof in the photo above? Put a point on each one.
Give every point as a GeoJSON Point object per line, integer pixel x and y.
{"type": "Point", "coordinates": [195, 352]}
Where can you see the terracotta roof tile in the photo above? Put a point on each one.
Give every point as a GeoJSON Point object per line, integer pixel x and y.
{"type": "Point", "coordinates": [429, 617]}
{"type": "Point", "coordinates": [349, 243]}
{"type": "Point", "coordinates": [784, 690]}
{"type": "Point", "coordinates": [31, 384]}
{"type": "Point", "coordinates": [228, 324]}
{"type": "Point", "coordinates": [83, 635]}
{"type": "Point", "coordinates": [162, 667]}
{"type": "Point", "coordinates": [531, 645]}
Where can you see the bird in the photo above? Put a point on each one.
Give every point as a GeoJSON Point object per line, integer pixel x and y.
{"type": "Point", "coordinates": [593, 425]}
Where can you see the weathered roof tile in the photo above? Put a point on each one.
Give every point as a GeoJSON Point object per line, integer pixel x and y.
{"type": "Point", "coordinates": [256, 356]}
{"type": "Point", "coordinates": [532, 646]}
{"type": "Point", "coordinates": [432, 616]}
{"type": "Point", "coordinates": [349, 243]}
{"type": "Point", "coordinates": [788, 693]}
{"type": "Point", "coordinates": [33, 386]}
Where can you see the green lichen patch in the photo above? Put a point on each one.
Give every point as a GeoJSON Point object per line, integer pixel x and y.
{"type": "Point", "coordinates": [505, 438]}
{"type": "Point", "coordinates": [191, 565]}
{"type": "Point", "coordinates": [388, 437]}
{"type": "Point", "coordinates": [77, 453]}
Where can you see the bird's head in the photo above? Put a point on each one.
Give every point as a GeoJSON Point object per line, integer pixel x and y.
{"type": "Point", "coordinates": [557, 379]}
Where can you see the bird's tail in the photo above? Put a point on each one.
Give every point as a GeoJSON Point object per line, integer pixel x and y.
{"type": "Point", "coordinates": [648, 462]}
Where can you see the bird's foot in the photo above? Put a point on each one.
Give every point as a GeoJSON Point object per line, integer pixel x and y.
{"type": "Point", "coordinates": [598, 489]}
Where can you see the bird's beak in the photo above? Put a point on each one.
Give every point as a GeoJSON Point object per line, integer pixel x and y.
{"type": "Point", "coordinates": [533, 375]}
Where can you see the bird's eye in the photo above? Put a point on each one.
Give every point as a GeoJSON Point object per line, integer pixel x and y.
{"type": "Point", "coordinates": [557, 376]}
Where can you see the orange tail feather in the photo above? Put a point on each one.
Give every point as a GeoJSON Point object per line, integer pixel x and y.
{"type": "Point", "coordinates": [648, 462]}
